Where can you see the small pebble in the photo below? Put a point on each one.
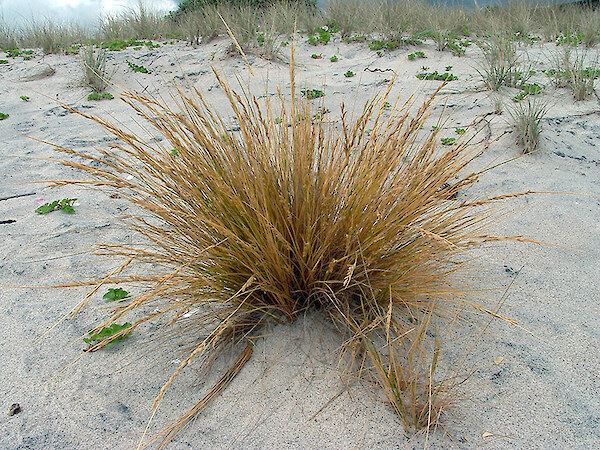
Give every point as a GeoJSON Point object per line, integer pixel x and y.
{"type": "Point", "coordinates": [15, 409]}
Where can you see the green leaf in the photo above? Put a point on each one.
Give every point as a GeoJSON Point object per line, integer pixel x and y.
{"type": "Point", "coordinates": [66, 205]}
{"type": "Point", "coordinates": [115, 294]}
{"type": "Point", "coordinates": [108, 332]}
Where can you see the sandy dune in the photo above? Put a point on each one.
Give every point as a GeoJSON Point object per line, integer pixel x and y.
{"type": "Point", "coordinates": [543, 394]}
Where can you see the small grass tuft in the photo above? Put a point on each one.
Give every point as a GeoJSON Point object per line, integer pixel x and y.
{"type": "Point", "coordinates": [94, 68]}
{"type": "Point", "coordinates": [527, 118]}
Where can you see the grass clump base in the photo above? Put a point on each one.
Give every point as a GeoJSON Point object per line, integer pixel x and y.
{"type": "Point", "coordinates": [360, 221]}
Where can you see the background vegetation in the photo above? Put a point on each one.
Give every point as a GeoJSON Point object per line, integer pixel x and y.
{"type": "Point", "coordinates": [397, 20]}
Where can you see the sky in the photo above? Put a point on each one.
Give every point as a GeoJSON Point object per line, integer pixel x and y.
{"type": "Point", "coordinates": [16, 12]}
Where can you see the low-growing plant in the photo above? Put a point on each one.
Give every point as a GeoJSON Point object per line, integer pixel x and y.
{"type": "Point", "coordinates": [349, 74]}
{"type": "Point", "coordinates": [65, 205]}
{"type": "Point", "coordinates": [527, 118]}
{"type": "Point", "coordinates": [461, 131]}
{"type": "Point", "coordinates": [3, 61]}
{"type": "Point", "coordinates": [115, 294]}
{"type": "Point", "coordinates": [100, 96]}
{"type": "Point", "coordinates": [526, 90]}
{"type": "Point", "coordinates": [136, 68]}
{"type": "Point", "coordinates": [311, 94]}
{"type": "Point", "coordinates": [376, 45]}
{"type": "Point", "coordinates": [4, 116]}
{"type": "Point", "coordinates": [73, 49]}
{"type": "Point", "coordinates": [118, 45]}
{"type": "Point", "coordinates": [24, 98]}
{"type": "Point", "coordinates": [446, 41]}
{"type": "Point", "coordinates": [334, 59]}
{"type": "Point", "coordinates": [323, 36]}
{"type": "Point", "coordinates": [106, 336]}
{"type": "Point", "coordinates": [355, 38]}
{"type": "Point", "coordinates": [415, 55]}
{"type": "Point", "coordinates": [315, 56]}
{"type": "Point", "coordinates": [448, 141]}
{"type": "Point", "coordinates": [446, 76]}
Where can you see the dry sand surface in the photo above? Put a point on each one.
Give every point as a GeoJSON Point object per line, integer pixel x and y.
{"type": "Point", "coordinates": [544, 393]}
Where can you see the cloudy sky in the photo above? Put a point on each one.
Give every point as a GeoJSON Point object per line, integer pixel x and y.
{"type": "Point", "coordinates": [15, 12]}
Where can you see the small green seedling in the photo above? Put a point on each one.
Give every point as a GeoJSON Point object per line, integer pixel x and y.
{"type": "Point", "coordinates": [448, 141]}
{"type": "Point", "coordinates": [315, 56]}
{"type": "Point", "coordinates": [312, 93]}
{"type": "Point", "coordinates": [415, 55]}
{"type": "Point", "coordinates": [24, 98]}
{"type": "Point", "coordinates": [4, 116]}
{"type": "Point", "coordinates": [114, 295]}
{"type": "Point", "coordinates": [349, 74]}
{"type": "Point", "coordinates": [285, 43]}
{"type": "Point", "coordinates": [100, 96]}
{"type": "Point", "coordinates": [460, 130]}
{"type": "Point", "coordinates": [380, 53]}
{"type": "Point", "coordinates": [387, 105]}
{"type": "Point", "coordinates": [112, 333]}
{"type": "Point", "coordinates": [137, 68]}
{"type": "Point", "coordinates": [3, 61]}
{"type": "Point", "coordinates": [334, 59]}
{"type": "Point", "coordinates": [424, 68]}
{"type": "Point", "coordinates": [174, 152]}
{"type": "Point", "coordinates": [448, 68]}
{"type": "Point", "coordinates": [65, 205]}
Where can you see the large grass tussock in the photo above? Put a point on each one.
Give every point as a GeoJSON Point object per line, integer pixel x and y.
{"type": "Point", "coordinates": [359, 219]}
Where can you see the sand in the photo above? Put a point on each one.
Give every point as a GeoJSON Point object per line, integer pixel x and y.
{"type": "Point", "coordinates": [541, 393]}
